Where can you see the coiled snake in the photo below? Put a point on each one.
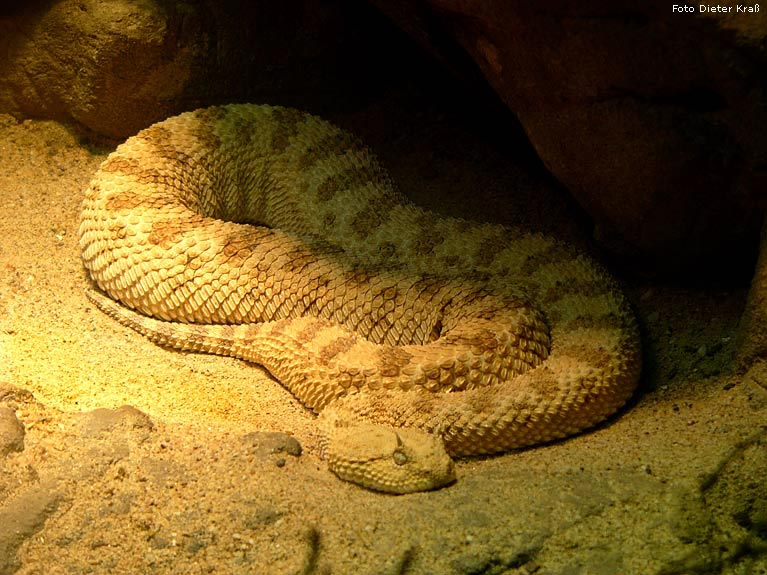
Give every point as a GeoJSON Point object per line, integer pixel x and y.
{"type": "Point", "coordinates": [268, 234]}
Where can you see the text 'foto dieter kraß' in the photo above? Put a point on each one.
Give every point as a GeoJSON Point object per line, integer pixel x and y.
{"type": "Point", "coordinates": [717, 9]}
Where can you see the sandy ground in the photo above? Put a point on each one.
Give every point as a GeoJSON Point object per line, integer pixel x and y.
{"type": "Point", "coordinates": [183, 480]}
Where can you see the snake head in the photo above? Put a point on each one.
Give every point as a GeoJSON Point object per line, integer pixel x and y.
{"type": "Point", "coordinates": [392, 460]}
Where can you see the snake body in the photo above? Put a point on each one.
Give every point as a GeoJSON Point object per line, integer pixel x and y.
{"type": "Point", "coordinates": [268, 234]}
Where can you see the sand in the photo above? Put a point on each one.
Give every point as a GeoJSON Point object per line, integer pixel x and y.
{"type": "Point", "coordinates": [184, 481]}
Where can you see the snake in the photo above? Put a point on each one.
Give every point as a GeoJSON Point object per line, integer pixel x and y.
{"type": "Point", "coordinates": [271, 235]}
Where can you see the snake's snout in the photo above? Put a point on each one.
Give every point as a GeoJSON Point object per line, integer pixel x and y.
{"type": "Point", "coordinates": [402, 460]}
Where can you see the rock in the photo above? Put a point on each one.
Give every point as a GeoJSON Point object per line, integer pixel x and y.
{"type": "Point", "coordinates": [736, 494]}
{"type": "Point", "coordinates": [11, 432]}
{"type": "Point", "coordinates": [77, 55]}
{"type": "Point", "coordinates": [21, 517]}
{"type": "Point", "coordinates": [752, 337]}
{"type": "Point", "coordinates": [125, 419]}
{"type": "Point", "coordinates": [263, 444]}
{"type": "Point", "coordinates": [14, 395]}
{"type": "Point", "coordinates": [106, 437]}
{"type": "Point", "coordinates": [646, 116]}
{"type": "Point", "coordinates": [115, 67]}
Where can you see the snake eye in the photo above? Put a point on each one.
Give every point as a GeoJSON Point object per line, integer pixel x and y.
{"type": "Point", "coordinates": [399, 456]}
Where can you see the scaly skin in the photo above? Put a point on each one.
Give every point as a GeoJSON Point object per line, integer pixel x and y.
{"type": "Point", "coordinates": [366, 307]}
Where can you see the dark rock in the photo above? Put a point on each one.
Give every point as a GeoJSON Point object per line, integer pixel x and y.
{"type": "Point", "coordinates": [752, 335]}
{"type": "Point", "coordinates": [646, 116]}
{"type": "Point", "coordinates": [11, 432]}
